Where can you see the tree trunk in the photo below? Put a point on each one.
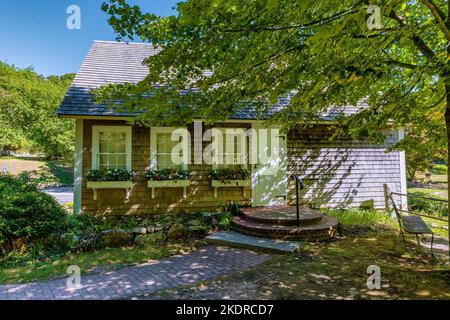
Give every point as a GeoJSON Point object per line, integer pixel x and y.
{"type": "Point", "coordinates": [447, 124]}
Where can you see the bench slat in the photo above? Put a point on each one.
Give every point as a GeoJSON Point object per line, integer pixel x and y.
{"type": "Point", "coordinates": [415, 224]}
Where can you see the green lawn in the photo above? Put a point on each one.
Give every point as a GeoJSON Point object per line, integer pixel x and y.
{"type": "Point", "coordinates": [435, 177]}
{"type": "Point", "coordinates": [106, 259]}
{"type": "Point", "coordinates": [438, 178]}
{"type": "Point", "coordinates": [434, 193]}
{"type": "Point", "coordinates": [334, 270]}
{"type": "Point", "coordinates": [46, 173]}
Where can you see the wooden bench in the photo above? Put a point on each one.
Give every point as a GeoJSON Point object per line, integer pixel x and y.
{"type": "Point", "coordinates": [412, 224]}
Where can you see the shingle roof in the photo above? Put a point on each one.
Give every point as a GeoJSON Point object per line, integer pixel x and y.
{"type": "Point", "coordinates": [105, 63]}
{"type": "Point", "coordinates": [119, 62]}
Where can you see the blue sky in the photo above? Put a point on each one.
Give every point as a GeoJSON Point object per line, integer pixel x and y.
{"type": "Point", "coordinates": [34, 33]}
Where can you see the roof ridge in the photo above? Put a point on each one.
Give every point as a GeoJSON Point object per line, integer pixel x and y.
{"type": "Point", "coordinates": [123, 42]}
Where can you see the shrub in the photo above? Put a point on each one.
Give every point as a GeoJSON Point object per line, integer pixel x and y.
{"type": "Point", "coordinates": [229, 174]}
{"type": "Point", "coordinates": [109, 175]}
{"type": "Point", "coordinates": [427, 206]}
{"type": "Point", "coordinates": [167, 174]}
{"type": "Point", "coordinates": [224, 220]}
{"type": "Point", "coordinates": [440, 168]}
{"type": "Point", "coordinates": [29, 219]}
{"type": "Point", "coordinates": [359, 217]}
{"type": "Point", "coordinates": [234, 208]}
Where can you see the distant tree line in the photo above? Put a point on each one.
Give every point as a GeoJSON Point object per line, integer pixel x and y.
{"type": "Point", "coordinates": [28, 120]}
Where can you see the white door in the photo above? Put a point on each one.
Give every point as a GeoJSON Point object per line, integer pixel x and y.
{"type": "Point", "coordinates": [269, 174]}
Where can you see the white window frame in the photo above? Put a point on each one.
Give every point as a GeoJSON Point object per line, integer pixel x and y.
{"type": "Point", "coordinates": [154, 143]}
{"type": "Point", "coordinates": [96, 141]}
{"type": "Point", "coordinates": [244, 147]}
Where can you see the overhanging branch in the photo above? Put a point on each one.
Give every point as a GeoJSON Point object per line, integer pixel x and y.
{"type": "Point", "coordinates": [402, 64]}
{"type": "Point", "coordinates": [420, 44]}
{"type": "Point", "coordinates": [439, 16]}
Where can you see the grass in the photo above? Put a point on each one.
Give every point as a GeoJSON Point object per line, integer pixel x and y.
{"type": "Point", "coordinates": [434, 177]}
{"type": "Point", "coordinates": [45, 173]}
{"type": "Point", "coordinates": [361, 217]}
{"type": "Point", "coordinates": [434, 193]}
{"type": "Point", "coordinates": [105, 259]}
{"type": "Point", "coordinates": [439, 178]}
{"type": "Point", "coordinates": [339, 271]}
{"type": "Point", "coordinates": [440, 228]}
{"type": "Point", "coordinates": [353, 219]}
{"type": "Point", "coordinates": [333, 270]}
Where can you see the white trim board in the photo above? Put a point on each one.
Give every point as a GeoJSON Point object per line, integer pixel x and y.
{"type": "Point", "coordinates": [403, 183]}
{"type": "Point", "coordinates": [78, 167]}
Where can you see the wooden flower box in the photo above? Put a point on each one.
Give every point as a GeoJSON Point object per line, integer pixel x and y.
{"type": "Point", "coordinates": [168, 184]}
{"type": "Point", "coordinates": [216, 184]}
{"type": "Point", "coordinates": [95, 185]}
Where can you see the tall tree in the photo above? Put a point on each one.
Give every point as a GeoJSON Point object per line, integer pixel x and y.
{"type": "Point", "coordinates": [28, 104]}
{"type": "Point", "coordinates": [390, 54]}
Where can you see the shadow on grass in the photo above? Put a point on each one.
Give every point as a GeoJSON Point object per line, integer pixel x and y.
{"type": "Point", "coordinates": [62, 173]}
{"type": "Point", "coordinates": [334, 270]}
{"type": "Point", "coordinates": [51, 174]}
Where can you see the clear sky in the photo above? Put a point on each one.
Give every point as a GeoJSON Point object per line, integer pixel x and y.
{"type": "Point", "coordinates": [34, 33]}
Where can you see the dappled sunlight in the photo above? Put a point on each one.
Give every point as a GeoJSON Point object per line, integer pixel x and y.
{"type": "Point", "coordinates": [335, 270]}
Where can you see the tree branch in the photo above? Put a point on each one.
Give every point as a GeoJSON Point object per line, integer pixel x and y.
{"type": "Point", "coordinates": [319, 22]}
{"type": "Point", "coordinates": [270, 58]}
{"type": "Point", "coordinates": [438, 15]}
{"type": "Point", "coordinates": [420, 44]}
{"type": "Point", "coordinates": [402, 64]}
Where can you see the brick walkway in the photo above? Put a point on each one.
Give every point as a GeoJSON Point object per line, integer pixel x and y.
{"type": "Point", "coordinates": [203, 264]}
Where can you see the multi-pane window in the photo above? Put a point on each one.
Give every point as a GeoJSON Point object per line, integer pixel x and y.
{"type": "Point", "coordinates": [231, 148]}
{"type": "Point", "coordinates": [111, 147]}
{"type": "Point", "coordinates": [112, 150]}
{"type": "Point", "coordinates": [165, 148]}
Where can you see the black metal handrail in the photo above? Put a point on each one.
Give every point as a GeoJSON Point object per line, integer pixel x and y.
{"type": "Point", "coordinates": [298, 183]}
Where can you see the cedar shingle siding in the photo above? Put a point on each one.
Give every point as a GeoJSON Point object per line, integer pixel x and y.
{"type": "Point", "coordinates": [339, 173]}
{"type": "Point", "coordinates": [342, 173]}
{"type": "Point", "coordinates": [200, 194]}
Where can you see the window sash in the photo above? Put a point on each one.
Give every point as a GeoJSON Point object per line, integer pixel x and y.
{"type": "Point", "coordinates": [111, 147]}
{"type": "Point", "coordinates": [222, 158]}
{"type": "Point", "coordinates": [161, 146]}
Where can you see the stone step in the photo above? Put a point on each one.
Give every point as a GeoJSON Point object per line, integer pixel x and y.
{"type": "Point", "coordinates": [235, 239]}
{"type": "Point", "coordinates": [324, 229]}
{"type": "Point", "coordinates": [282, 215]}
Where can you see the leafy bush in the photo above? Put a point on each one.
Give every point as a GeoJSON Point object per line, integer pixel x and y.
{"type": "Point", "coordinates": [29, 219]}
{"type": "Point", "coordinates": [84, 223]}
{"type": "Point", "coordinates": [360, 217]}
{"type": "Point", "coordinates": [109, 175]}
{"type": "Point", "coordinates": [224, 220]}
{"type": "Point", "coordinates": [167, 174]}
{"type": "Point", "coordinates": [440, 168]}
{"type": "Point", "coordinates": [234, 208]}
{"type": "Point", "coordinates": [229, 174]}
{"type": "Point", "coordinates": [427, 206]}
